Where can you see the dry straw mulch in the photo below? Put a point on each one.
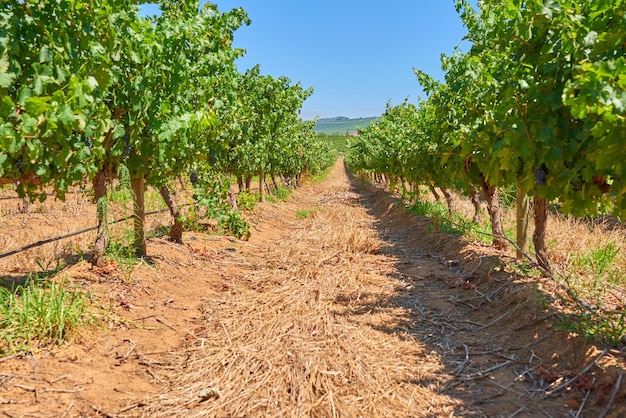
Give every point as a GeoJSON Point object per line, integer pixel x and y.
{"type": "Point", "coordinates": [308, 331]}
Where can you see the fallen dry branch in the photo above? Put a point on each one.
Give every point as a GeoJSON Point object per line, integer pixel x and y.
{"type": "Point", "coordinates": [55, 390]}
{"type": "Point", "coordinates": [573, 379]}
{"type": "Point", "coordinates": [583, 403]}
{"type": "Point", "coordinates": [504, 315]}
{"type": "Point", "coordinates": [462, 366]}
{"type": "Point", "coordinates": [616, 388]}
{"type": "Point", "coordinates": [483, 373]}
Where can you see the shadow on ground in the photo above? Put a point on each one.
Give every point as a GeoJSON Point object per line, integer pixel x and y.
{"type": "Point", "coordinates": [505, 347]}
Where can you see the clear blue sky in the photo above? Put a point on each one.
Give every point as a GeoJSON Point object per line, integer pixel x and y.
{"type": "Point", "coordinates": [357, 55]}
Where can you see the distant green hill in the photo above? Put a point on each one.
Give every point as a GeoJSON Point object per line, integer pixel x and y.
{"type": "Point", "coordinates": [342, 126]}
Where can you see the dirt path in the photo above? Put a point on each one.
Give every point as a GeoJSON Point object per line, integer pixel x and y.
{"type": "Point", "coordinates": [340, 305]}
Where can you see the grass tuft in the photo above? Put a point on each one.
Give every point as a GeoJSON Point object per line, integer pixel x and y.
{"type": "Point", "coordinates": [38, 314]}
{"type": "Point", "coordinates": [455, 224]}
{"type": "Point", "coordinates": [280, 195]}
{"type": "Point", "coordinates": [598, 260]}
{"type": "Point", "coordinates": [303, 213]}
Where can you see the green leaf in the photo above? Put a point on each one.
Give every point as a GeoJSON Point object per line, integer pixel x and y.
{"type": "Point", "coordinates": [6, 78]}
{"type": "Point", "coordinates": [38, 86]}
{"type": "Point", "coordinates": [36, 105]}
{"type": "Point", "coordinates": [591, 38]}
{"type": "Point", "coordinates": [92, 82]}
{"type": "Point", "coordinates": [41, 170]}
{"type": "Point", "coordinates": [66, 115]}
{"type": "Point", "coordinates": [45, 54]}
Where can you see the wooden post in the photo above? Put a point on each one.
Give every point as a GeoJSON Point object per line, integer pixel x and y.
{"type": "Point", "coordinates": [138, 185]}
{"type": "Point", "coordinates": [262, 186]}
{"type": "Point", "coordinates": [539, 237]}
{"type": "Point", "coordinates": [522, 205]}
{"type": "Point", "coordinates": [102, 237]}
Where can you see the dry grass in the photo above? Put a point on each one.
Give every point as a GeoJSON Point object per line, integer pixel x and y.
{"type": "Point", "coordinates": [570, 237]}
{"type": "Point", "coordinates": [77, 213]}
{"type": "Point", "coordinates": [354, 311]}
{"type": "Point", "coordinates": [340, 230]}
{"type": "Point", "coordinates": [308, 333]}
{"type": "Point", "coordinates": [570, 240]}
{"type": "Point", "coordinates": [42, 223]}
{"type": "Point", "coordinates": [589, 261]}
{"type": "Point", "coordinates": [588, 257]}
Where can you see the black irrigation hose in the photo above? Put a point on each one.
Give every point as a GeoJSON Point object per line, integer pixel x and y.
{"type": "Point", "coordinates": [71, 234]}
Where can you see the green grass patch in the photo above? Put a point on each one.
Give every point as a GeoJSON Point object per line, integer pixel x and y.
{"type": "Point", "coordinates": [455, 224]}
{"type": "Point", "coordinates": [609, 328]}
{"type": "Point", "coordinates": [598, 260]}
{"type": "Point", "coordinates": [40, 313]}
{"type": "Point", "coordinates": [124, 254]}
{"type": "Point", "coordinates": [597, 269]}
{"type": "Point", "coordinates": [303, 213]}
{"type": "Point", "coordinates": [280, 195]}
{"type": "Point", "coordinates": [120, 194]}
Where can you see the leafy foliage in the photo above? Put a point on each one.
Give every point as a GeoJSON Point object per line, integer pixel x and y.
{"type": "Point", "coordinates": [268, 135]}
{"type": "Point", "coordinates": [545, 58]}
{"type": "Point", "coordinates": [211, 196]}
{"type": "Point", "coordinates": [538, 103]}
{"type": "Point", "coordinates": [56, 68]}
{"type": "Point", "coordinates": [89, 87]}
